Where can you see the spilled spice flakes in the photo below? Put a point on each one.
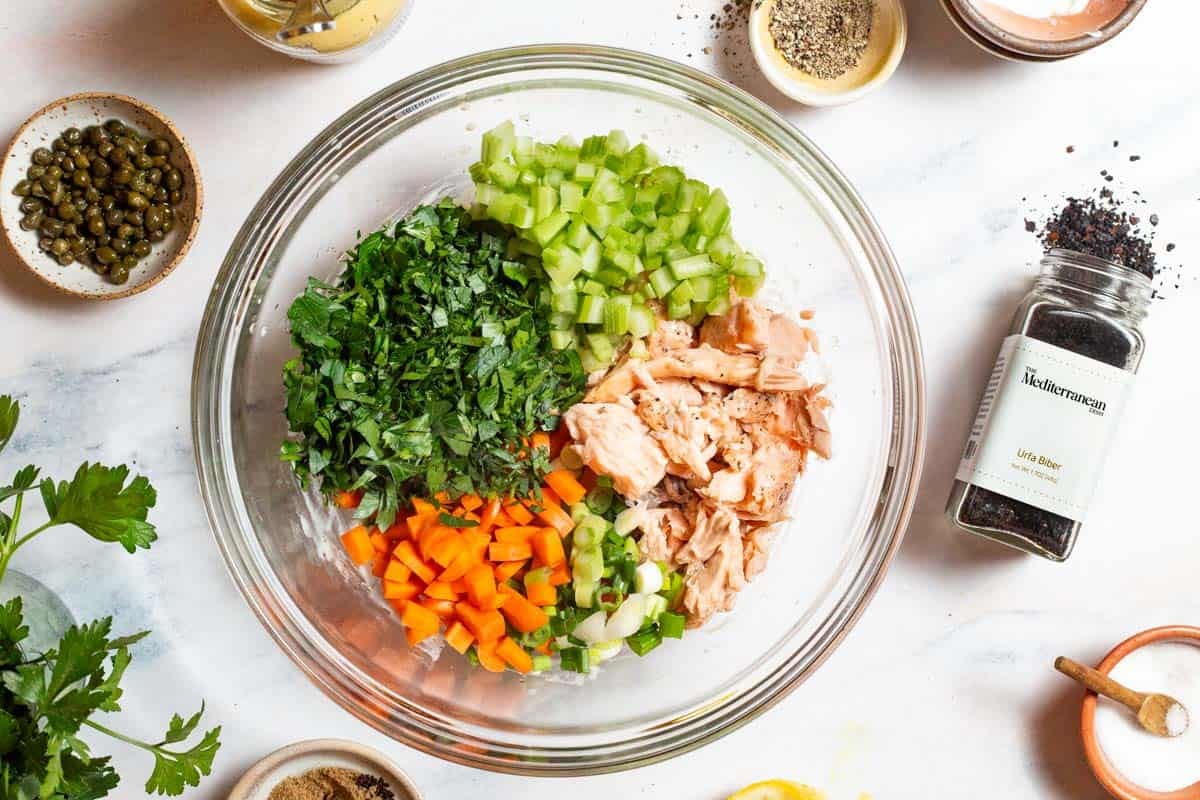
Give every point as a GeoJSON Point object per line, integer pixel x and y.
{"type": "Point", "coordinates": [1102, 229]}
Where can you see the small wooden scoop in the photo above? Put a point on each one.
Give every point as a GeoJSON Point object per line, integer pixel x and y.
{"type": "Point", "coordinates": [1157, 713]}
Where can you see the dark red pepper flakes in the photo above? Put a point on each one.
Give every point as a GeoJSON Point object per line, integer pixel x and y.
{"type": "Point", "coordinates": [1102, 230]}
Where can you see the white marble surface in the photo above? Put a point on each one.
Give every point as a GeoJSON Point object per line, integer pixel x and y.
{"type": "Point", "coordinates": [944, 155]}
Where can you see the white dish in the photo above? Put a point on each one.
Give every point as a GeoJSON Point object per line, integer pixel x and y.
{"type": "Point", "coordinates": [80, 111]}
{"type": "Point", "coordinates": [299, 758]}
{"type": "Point", "coordinates": [889, 36]}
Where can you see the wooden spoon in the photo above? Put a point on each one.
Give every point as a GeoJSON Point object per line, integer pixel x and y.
{"type": "Point", "coordinates": [1157, 713]}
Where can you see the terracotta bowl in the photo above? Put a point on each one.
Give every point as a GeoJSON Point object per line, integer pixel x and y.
{"type": "Point", "coordinates": [296, 759]}
{"type": "Point", "coordinates": [81, 110]}
{"type": "Point", "coordinates": [1108, 775]}
{"type": "Point", "coordinates": [1000, 42]}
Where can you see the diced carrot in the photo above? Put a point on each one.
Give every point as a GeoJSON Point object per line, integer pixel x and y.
{"type": "Point", "coordinates": [379, 541]}
{"type": "Point", "coordinates": [458, 637]}
{"type": "Point", "coordinates": [443, 498]}
{"type": "Point", "coordinates": [509, 569]}
{"type": "Point", "coordinates": [519, 513]}
{"type": "Point", "coordinates": [357, 542]}
{"type": "Point", "coordinates": [458, 568]}
{"type": "Point", "coordinates": [486, 651]}
{"type": "Point", "coordinates": [471, 501]}
{"type": "Point", "coordinates": [407, 555]}
{"type": "Point", "coordinates": [398, 530]}
{"type": "Point", "coordinates": [516, 533]}
{"type": "Point", "coordinates": [415, 636]}
{"type": "Point", "coordinates": [557, 518]}
{"type": "Point", "coordinates": [481, 585]}
{"type": "Point", "coordinates": [509, 551]}
{"type": "Point", "coordinates": [503, 520]}
{"type": "Point", "coordinates": [379, 563]}
{"type": "Point", "coordinates": [565, 485]}
{"type": "Point", "coordinates": [560, 575]}
{"type": "Point", "coordinates": [544, 648]}
{"type": "Point", "coordinates": [397, 571]}
{"type": "Point", "coordinates": [559, 439]}
{"type": "Point", "coordinates": [443, 608]}
{"type": "Point", "coordinates": [449, 549]}
{"type": "Point", "coordinates": [485, 626]}
{"type": "Point", "coordinates": [541, 594]}
{"type": "Point", "coordinates": [402, 591]}
{"type": "Point", "coordinates": [548, 547]}
{"type": "Point", "coordinates": [459, 586]}
{"type": "Point", "coordinates": [540, 439]}
{"type": "Point", "coordinates": [348, 499]}
{"type": "Point", "coordinates": [418, 617]}
{"type": "Point", "coordinates": [522, 614]}
{"type": "Point", "coordinates": [514, 655]}
{"type": "Point", "coordinates": [440, 591]}
{"type": "Point", "coordinates": [433, 538]}
{"type": "Point", "coordinates": [423, 506]}
{"type": "Point", "coordinates": [397, 605]}
{"type": "Point", "coordinates": [487, 517]}
{"type": "Point", "coordinates": [417, 523]}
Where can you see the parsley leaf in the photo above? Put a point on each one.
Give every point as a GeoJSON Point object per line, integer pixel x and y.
{"type": "Point", "coordinates": [97, 501]}
{"type": "Point", "coordinates": [425, 368]}
{"type": "Point", "coordinates": [10, 412]}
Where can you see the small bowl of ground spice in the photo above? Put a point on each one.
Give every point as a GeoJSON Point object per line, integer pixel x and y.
{"type": "Point", "coordinates": [325, 769]}
{"type": "Point", "coordinates": [828, 52]}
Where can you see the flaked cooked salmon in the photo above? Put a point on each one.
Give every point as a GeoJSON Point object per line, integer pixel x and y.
{"type": "Point", "coordinates": [706, 438]}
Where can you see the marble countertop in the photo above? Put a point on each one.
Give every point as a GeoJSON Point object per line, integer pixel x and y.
{"type": "Point", "coordinates": [951, 155]}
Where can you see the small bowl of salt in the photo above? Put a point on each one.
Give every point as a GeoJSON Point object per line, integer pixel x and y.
{"type": "Point", "coordinates": [1130, 763]}
{"type": "Point", "coordinates": [828, 52]}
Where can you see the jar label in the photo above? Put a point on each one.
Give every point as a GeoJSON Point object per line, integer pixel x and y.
{"type": "Point", "coordinates": [1044, 426]}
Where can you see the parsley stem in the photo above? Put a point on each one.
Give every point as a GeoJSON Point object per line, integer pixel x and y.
{"type": "Point", "coordinates": [120, 736]}
{"type": "Point", "coordinates": [10, 544]}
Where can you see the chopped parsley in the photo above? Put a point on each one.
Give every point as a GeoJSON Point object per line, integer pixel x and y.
{"type": "Point", "coordinates": [425, 368]}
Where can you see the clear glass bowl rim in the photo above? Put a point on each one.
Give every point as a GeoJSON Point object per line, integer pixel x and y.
{"type": "Point", "coordinates": [212, 380]}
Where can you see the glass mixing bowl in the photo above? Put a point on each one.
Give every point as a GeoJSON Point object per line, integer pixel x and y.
{"type": "Point", "coordinates": [412, 143]}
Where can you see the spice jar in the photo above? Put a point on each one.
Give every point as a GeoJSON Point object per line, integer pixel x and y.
{"type": "Point", "coordinates": [1054, 399]}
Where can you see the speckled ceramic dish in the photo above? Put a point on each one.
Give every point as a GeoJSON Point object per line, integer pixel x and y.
{"type": "Point", "coordinates": [889, 36]}
{"type": "Point", "coordinates": [1109, 776]}
{"type": "Point", "coordinates": [299, 758]}
{"type": "Point", "coordinates": [81, 110]}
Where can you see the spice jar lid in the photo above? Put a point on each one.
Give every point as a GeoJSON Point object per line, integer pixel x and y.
{"type": "Point", "coordinates": [876, 64]}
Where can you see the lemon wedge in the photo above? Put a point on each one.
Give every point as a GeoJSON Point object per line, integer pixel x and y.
{"type": "Point", "coordinates": [777, 790]}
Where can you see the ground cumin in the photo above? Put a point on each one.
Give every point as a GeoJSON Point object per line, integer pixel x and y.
{"type": "Point", "coordinates": [332, 783]}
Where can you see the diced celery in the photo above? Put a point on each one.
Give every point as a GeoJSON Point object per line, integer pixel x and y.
{"type": "Point", "coordinates": [584, 172]}
{"type": "Point", "coordinates": [692, 195]}
{"type": "Point", "coordinates": [715, 216]}
{"type": "Point", "coordinates": [554, 177]}
{"type": "Point", "coordinates": [584, 593]}
{"type": "Point", "coordinates": [590, 362]}
{"type": "Point", "coordinates": [623, 260]}
{"type": "Point", "coordinates": [652, 262]}
{"type": "Point", "coordinates": [545, 200]}
{"type": "Point", "coordinates": [545, 154]}
{"type": "Point", "coordinates": [598, 215]}
{"type": "Point", "coordinates": [638, 349]}
{"type": "Point", "coordinates": [601, 347]}
{"type": "Point", "coordinates": [522, 214]}
{"type": "Point", "coordinates": [527, 248]}
{"type": "Point", "coordinates": [616, 314]}
{"type": "Point", "coordinates": [656, 242]}
{"type": "Point", "coordinates": [498, 143]}
{"type": "Point", "coordinates": [501, 209]}
{"type": "Point", "coordinates": [571, 195]}
{"type": "Point", "coordinates": [699, 312]}
{"type": "Point", "coordinates": [747, 265]}
{"type": "Point", "coordinates": [704, 288]}
{"type": "Point", "coordinates": [611, 276]}
{"type": "Point", "coordinates": [563, 266]}
{"type": "Point", "coordinates": [478, 172]}
{"type": "Point", "coordinates": [562, 322]}
{"type": "Point", "coordinates": [663, 282]}
{"type": "Point", "coordinates": [696, 242]}
{"type": "Point", "coordinates": [593, 149]}
{"type": "Point", "coordinates": [565, 300]}
{"type": "Point", "coordinates": [606, 188]}
{"type": "Point", "coordinates": [692, 266]}
{"type": "Point", "coordinates": [504, 174]}
{"type": "Point", "coordinates": [617, 143]}
{"type": "Point", "coordinates": [548, 228]}
{"type": "Point", "coordinates": [578, 234]}
{"type": "Point", "coordinates": [641, 321]}
{"type": "Point", "coordinates": [683, 293]}
{"type": "Point", "coordinates": [528, 179]}
{"type": "Point", "coordinates": [591, 310]}
{"type": "Point", "coordinates": [719, 305]}
{"type": "Point", "coordinates": [747, 285]}
{"type": "Point", "coordinates": [541, 662]}
{"type": "Point", "coordinates": [679, 225]}
{"type": "Point", "coordinates": [591, 256]}
{"type": "Point", "coordinates": [723, 250]}
{"type": "Point", "coordinates": [523, 151]}
{"type": "Point", "coordinates": [679, 310]}
{"type": "Point", "coordinates": [626, 220]}
{"type": "Point", "coordinates": [594, 288]}
{"type": "Point", "coordinates": [486, 193]}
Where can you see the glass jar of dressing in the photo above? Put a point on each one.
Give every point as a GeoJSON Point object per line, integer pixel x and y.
{"type": "Point", "coordinates": [1054, 399]}
{"type": "Point", "coordinates": [347, 29]}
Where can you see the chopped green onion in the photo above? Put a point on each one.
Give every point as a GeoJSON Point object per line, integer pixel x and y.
{"type": "Point", "coordinates": [671, 625]}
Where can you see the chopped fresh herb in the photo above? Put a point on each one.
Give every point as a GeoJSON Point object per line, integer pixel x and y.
{"type": "Point", "coordinates": [451, 521]}
{"type": "Point", "coordinates": [425, 368]}
{"type": "Point", "coordinates": [575, 659]}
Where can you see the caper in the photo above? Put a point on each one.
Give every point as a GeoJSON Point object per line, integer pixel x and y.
{"type": "Point", "coordinates": [96, 226]}
{"type": "Point", "coordinates": [154, 218]}
{"type": "Point", "coordinates": [136, 200]}
{"type": "Point", "coordinates": [79, 246]}
{"type": "Point", "coordinates": [49, 182]}
{"type": "Point", "coordinates": [58, 146]}
{"type": "Point", "coordinates": [100, 269]}
{"type": "Point", "coordinates": [82, 161]}
{"type": "Point", "coordinates": [114, 217]}
{"type": "Point", "coordinates": [65, 210]}
{"type": "Point", "coordinates": [141, 249]}
{"type": "Point", "coordinates": [58, 194]}
{"type": "Point", "coordinates": [82, 178]}
{"type": "Point", "coordinates": [74, 151]}
{"type": "Point", "coordinates": [160, 161]}
{"type": "Point", "coordinates": [30, 205]}
{"type": "Point", "coordinates": [72, 136]}
{"type": "Point", "coordinates": [101, 168]}
{"type": "Point", "coordinates": [42, 157]}
{"type": "Point", "coordinates": [161, 195]}
{"type": "Point", "coordinates": [174, 179]}
{"type": "Point", "coordinates": [96, 135]}
{"type": "Point", "coordinates": [118, 273]}
{"type": "Point", "coordinates": [45, 243]}
{"type": "Point", "coordinates": [159, 147]}
{"type": "Point", "coordinates": [115, 127]}
{"type": "Point", "coordinates": [123, 175]}
{"type": "Point", "coordinates": [129, 146]}
{"type": "Point", "coordinates": [23, 188]}
{"type": "Point", "coordinates": [108, 202]}
{"type": "Point", "coordinates": [154, 175]}
{"type": "Point", "coordinates": [105, 149]}
{"type": "Point", "coordinates": [65, 259]}
{"type": "Point", "coordinates": [168, 225]}
{"type": "Point", "coordinates": [70, 230]}
{"type": "Point", "coordinates": [176, 197]}
{"type": "Point", "coordinates": [106, 255]}
{"type": "Point", "coordinates": [120, 246]}
{"type": "Point", "coordinates": [51, 227]}
{"type": "Point", "coordinates": [118, 156]}
{"type": "Point", "coordinates": [59, 246]}
{"type": "Point", "coordinates": [124, 231]}
{"type": "Point", "coordinates": [35, 172]}
{"type": "Point", "coordinates": [103, 240]}
{"type": "Point", "coordinates": [143, 161]}
{"type": "Point", "coordinates": [139, 184]}
{"type": "Point", "coordinates": [92, 194]}
{"type": "Point", "coordinates": [135, 218]}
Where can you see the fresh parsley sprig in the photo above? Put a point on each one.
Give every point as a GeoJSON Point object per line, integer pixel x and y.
{"type": "Point", "coordinates": [47, 698]}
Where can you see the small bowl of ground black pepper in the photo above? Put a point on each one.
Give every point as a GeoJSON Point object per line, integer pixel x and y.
{"type": "Point", "coordinates": [828, 52]}
{"type": "Point", "coordinates": [325, 769]}
{"type": "Point", "coordinates": [100, 196]}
